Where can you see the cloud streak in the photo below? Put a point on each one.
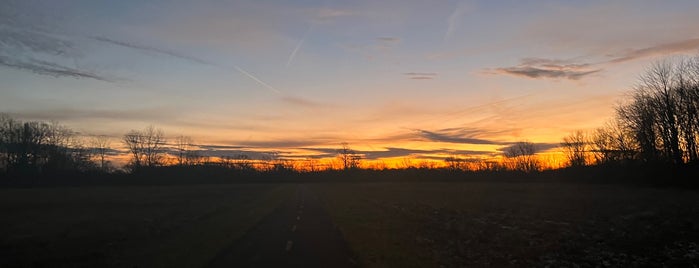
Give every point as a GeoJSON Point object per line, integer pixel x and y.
{"type": "Point", "coordinates": [22, 48]}
{"type": "Point", "coordinates": [153, 49]}
{"type": "Point", "coordinates": [184, 57]}
{"type": "Point", "coordinates": [388, 39]}
{"type": "Point", "coordinates": [420, 76]}
{"type": "Point", "coordinates": [49, 68]}
{"type": "Point", "coordinates": [667, 48]}
{"type": "Point", "coordinates": [297, 101]}
{"type": "Point", "coordinates": [454, 20]}
{"type": "Point", "coordinates": [548, 68]}
{"type": "Point", "coordinates": [451, 137]}
{"type": "Point", "coordinates": [539, 68]}
{"type": "Point", "coordinates": [538, 147]}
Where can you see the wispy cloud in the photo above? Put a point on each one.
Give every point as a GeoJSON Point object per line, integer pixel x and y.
{"type": "Point", "coordinates": [540, 68]}
{"type": "Point", "coordinates": [153, 50]}
{"type": "Point", "coordinates": [538, 146]}
{"type": "Point", "coordinates": [282, 143]}
{"type": "Point", "coordinates": [49, 68]}
{"type": "Point", "coordinates": [297, 101]}
{"type": "Point", "coordinates": [663, 49]}
{"type": "Point", "coordinates": [454, 20]}
{"type": "Point", "coordinates": [452, 137]}
{"type": "Point", "coordinates": [393, 152]}
{"type": "Point", "coordinates": [41, 52]}
{"type": "Point", "coordinates": [332, 13]}
{"type": "Point", "coordinates": [184, 57]}
{"type": "Point", "coordinates": [388, 39]}
{"type": "Point", "coordinates": [219, 147]}
{"type": "Point", "coordinates": [420, 76]}
{"type": "Point", "coordinates": [34, 40]}
{"type": "Point", "coordinates": [160, 114]}
{"type": "Point", "coordinates": [548, 68]}
{"type": "Point", "coordinates": [221, 151]}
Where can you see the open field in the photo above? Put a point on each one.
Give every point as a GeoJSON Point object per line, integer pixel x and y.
{"type": "Point", "coordinates": [448, 224]}
{"type": "Point", "coordinates": [515, 224]}
{"type": "Point", "coordinates": [164, 226]}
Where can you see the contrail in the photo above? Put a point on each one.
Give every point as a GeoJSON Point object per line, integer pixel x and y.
{"type": "Point", "coordinates": [453, 20]}
{"type": "Point", "coordinates": [298, 45]}
{"type": "Point", "coordinates": [175, 55]}
{"type": "Point", "coordinates": [152, 49]}
{"type": "Point", "coordinates": [257, 80]}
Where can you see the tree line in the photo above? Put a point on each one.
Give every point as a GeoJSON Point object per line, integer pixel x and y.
{"type": "Point", "coordinates": [35, 147]}
{"type": "Point", "coordinates": [656, 125]}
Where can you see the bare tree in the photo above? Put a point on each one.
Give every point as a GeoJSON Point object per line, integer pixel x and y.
{"type": "Point", "coordinates": [227, 161]}
{"type": "Point", "coordinates": [662, 112]}
{"type": "Point", "coordinates": [523, 156]}
{"type": "Point", "coordinates": [311, 165]}
{"type": "Point", "coordinates": [194, 157]}
{"type": "Point", "coordinates": [348, 157]}
{"type": "Point", "coordinates": [613, 144]}
{"type": "Point", "coordinates": [575, 146]}
{"type": "Point", "coordinates": [146, 146]}
{"type": "Point", "coordinates": [182, 145]}
{"type": "Point", "coordinates": [455, 163]}
{"type": "Point", "coordinates": [132, 140]}
{"type": "Point", "coordinates": [100, 145]}
{"type": "Point", "coordinates": [658, 83]}
{"type": "Point", "coordinates": [639, 119]}
{"type": "Point", "coordinates": [243, 162]}
{"type": "Point", "coordinates": [39, 147]}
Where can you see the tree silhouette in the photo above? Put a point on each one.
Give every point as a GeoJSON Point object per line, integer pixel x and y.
{"type": "Point", "coordinates": [348, 157]}
{"type": "Point", "coordinates": [35, 147]}
{"type": "Point", "coordinates": [522, 155]}
{"type": "Point", "coordinates": [662, 113]}
{"type": "Point", "coordinates": [575, 146]}
{"type": "Point", "coordinates": [146, 146]}
{"type": "Point", "coordinates": [100, 145]}
{"type": "Point", "coordinates": [182, 145]}
{"type": "Point", "coordinates": [613, 144]}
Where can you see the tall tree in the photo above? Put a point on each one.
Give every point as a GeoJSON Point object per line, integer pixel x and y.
{"type": "Point", "coordinates": [662, 112]}
{"type": "Point", "coordinates": [37, 147]}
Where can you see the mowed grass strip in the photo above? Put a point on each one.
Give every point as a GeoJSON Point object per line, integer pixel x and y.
{"type": "Point", "coordinates": [515, 224]}
{"type": "Point", "coordinates": [159, 226]}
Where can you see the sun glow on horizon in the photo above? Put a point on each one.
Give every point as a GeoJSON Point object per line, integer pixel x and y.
{"type": "Point", "coordinates": [413, 80]}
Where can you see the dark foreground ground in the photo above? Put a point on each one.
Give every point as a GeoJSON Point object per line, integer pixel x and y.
{"type": "Point", "coordinates": [164, 226]}
{"type": "Point", "coordinates": [516, 224]}
{"type": "Point", "coordinates": [471, 224]}
{"type": "Point", "coordinates": [297, 234]}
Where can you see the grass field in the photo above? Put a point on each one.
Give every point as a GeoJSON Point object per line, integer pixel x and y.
{"type": "Point", "coordinates": [515, 224]}
{"type": "Point", "coordinates": [164, 226]}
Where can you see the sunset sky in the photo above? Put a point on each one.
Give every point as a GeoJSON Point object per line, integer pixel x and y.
{"type": "Point", "coordinates": [423, 79]}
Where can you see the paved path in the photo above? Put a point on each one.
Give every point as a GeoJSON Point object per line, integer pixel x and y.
{"type": "Point", "coordinates": [299, 233]}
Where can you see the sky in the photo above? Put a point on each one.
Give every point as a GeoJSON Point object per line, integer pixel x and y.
{"type": "Point", "coordinates": [393, 79]}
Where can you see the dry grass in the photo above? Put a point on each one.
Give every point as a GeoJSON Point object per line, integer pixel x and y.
{"type": "Point", "coordinates": [164, 226]}
{"type": "Point", "coordinates": [515, 224]}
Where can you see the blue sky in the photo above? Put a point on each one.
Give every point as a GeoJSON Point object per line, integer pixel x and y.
{"type": "Point", "coordinates": [293, 75]}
